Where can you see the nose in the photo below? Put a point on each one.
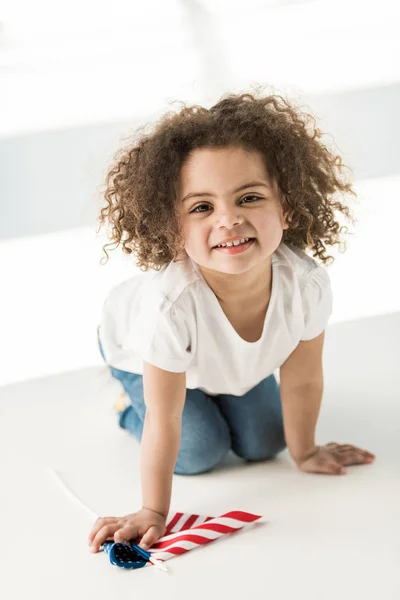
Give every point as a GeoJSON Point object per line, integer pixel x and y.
{"type": "Point", "coordinates": [228, 217]}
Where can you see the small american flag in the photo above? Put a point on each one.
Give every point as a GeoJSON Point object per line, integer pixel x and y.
{"type": "Point", "coordinates": [185, 531]}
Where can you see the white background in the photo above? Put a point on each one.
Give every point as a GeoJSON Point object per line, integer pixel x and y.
{"type": "Point", "coordinates": [77, 79]}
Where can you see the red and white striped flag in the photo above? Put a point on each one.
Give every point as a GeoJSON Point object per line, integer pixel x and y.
{"type": "Point", "coordinates": [185, 532]}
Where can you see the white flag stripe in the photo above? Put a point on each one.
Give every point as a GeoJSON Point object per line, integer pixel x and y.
{"type": "Point", "coordinates": [163, 556]}
{"type": "Point", "coordinates": [199, 521]}
{"type": "Point", "coordinates": [179, 524]}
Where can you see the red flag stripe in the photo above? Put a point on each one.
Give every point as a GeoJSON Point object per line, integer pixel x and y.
{"type": "Point", "coordinates": [240, 516]}
{"type": "Point", "coordinates": [174, 520]}
{"type": "Point", "coordinates": [192, 519]}
{"type": "Point", "coordinates": [219, 527]}
{"type": "Point", "coordinates": [178, 550]}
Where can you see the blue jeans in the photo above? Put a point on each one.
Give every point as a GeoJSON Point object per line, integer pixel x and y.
{"type": "Point", "coordinates": [251, 425]}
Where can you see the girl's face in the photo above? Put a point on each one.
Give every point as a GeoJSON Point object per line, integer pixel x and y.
{"type": "Point", "coordinates": [227, 193]}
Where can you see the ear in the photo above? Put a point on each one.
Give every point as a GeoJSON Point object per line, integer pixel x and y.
{"type": "Point", "coordinates": [285, 221]}
{"type": "Point", "coordinates": [284, 215]}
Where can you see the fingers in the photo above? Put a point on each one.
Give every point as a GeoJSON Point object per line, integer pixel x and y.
{"type": "Point", "coordinates": [332, 458]}
{"type": "Point", "coordinates": [131, 527]}
{"type": "Point", "coordinates": [126, 532]}
{"type": "Point", "coordinates": [150, 537]}
{"type": "Point", "coordinates": [349, 455]}
{"type": "Point", "coordinates": [105, 532]}
{"type": "Point", "coordinates": [100, 522]}
{"type": "Point", "coordinates": [349, 447]}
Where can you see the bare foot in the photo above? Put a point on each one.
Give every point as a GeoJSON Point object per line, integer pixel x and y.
{"type": "Point", "coordinates": [120, 404]}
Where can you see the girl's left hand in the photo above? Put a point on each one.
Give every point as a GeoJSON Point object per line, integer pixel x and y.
{"type": "Point", "coordinates": [332, 458]}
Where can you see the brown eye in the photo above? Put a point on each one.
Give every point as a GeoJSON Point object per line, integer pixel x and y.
{"type": "Point", "coordinates": [253, 198]}
{"type": "Point", "coordinates": [197, 207]}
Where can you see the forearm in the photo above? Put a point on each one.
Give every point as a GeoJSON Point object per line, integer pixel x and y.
{"type": "Point", "coordinates": [159, 451]}
{"type": "Point", "coordinates": [301, 406]}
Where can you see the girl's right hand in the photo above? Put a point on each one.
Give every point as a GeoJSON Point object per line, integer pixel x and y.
{"type": "Point", "coordinates": [145, 524]}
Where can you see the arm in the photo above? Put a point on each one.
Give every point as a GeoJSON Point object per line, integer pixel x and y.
{"type": "Point", "coordinates": [301, 384]}
{"type": "Point", "coordinates": [165, 395]}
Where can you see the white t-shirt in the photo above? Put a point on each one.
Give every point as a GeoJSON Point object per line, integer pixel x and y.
{"type": "Point", "coordinates": [172, 319]}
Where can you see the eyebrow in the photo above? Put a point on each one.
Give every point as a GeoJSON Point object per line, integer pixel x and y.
{"type": "Point", "coordinates": [239, 189]}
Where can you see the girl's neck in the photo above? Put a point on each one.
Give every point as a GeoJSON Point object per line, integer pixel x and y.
{"type": "Point", "coordinates": [251, 289]}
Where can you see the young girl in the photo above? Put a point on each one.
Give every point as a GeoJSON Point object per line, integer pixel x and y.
{"type": "Point", "coordinates": [219, 206]}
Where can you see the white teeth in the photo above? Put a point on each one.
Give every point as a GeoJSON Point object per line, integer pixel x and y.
{"type": "Point", "coordinates": [234, 243]}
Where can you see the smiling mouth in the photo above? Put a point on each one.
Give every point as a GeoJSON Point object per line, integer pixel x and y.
{"type": "Point", "coordinates": [248, 239]}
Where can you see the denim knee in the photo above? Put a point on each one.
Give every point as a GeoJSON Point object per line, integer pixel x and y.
{"type": "Point", "coordinates": [256, 450]}
{"type": "Point", "coordinates": [202, 455]}
{"type": "Point", "coordinates": [201, 463]}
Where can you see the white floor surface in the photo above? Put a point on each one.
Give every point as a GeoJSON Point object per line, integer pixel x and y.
{"type": "Point", "coordinates": [321, 538]}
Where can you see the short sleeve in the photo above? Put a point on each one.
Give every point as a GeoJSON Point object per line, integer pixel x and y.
{"type": "Point", "coordinates": [317, 303]}
{"type": "Point", "coordinates": [164, 337]}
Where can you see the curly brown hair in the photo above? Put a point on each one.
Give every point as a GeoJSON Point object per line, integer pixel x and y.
{"type": "Point", "coordinates": [141, 187]}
